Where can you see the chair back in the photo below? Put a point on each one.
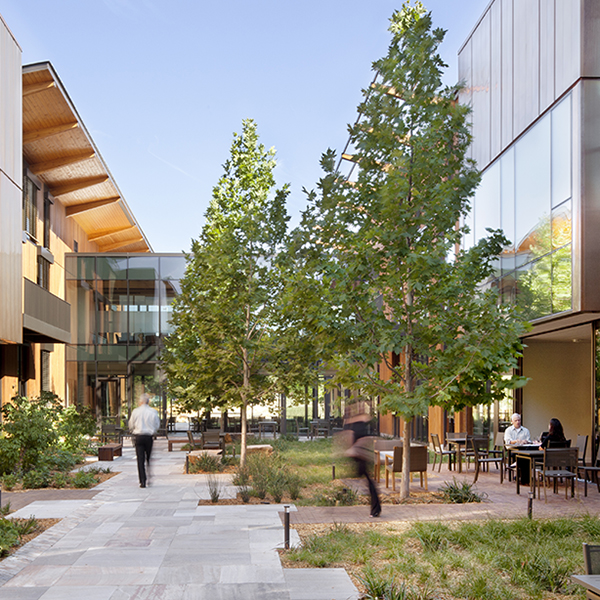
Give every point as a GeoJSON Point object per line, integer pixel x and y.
{"type": "Point", "coordinates": [212, 436]}
{"type": "Point", "coordinates": [499, 442]}
{"type": "Point", "coordinates": [418, 459]}
{"type": "Point", "coordinates": [435, 440]}
{"type": "Point", "coordinates": [456, 434]}
{"type": "Point", "coordinates": [581, 444]}
{"type": "Point", "coordinates": [381, 444]}
{"type": "Point", "coordinates": [556, 444]}
{"type": "Point", "coordinates": [480, 446]}
{"type": "Point", "coordinates": [591, 559]}
{"type": "Point", "coordinates": [560, 459]}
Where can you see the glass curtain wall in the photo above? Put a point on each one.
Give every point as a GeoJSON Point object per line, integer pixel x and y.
{"type": "Point", "coordinates": [527, 193]}
{"type": "Point", "coordinates": [121, 306]}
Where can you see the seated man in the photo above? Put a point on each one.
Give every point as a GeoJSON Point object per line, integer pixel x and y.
{"type": "Point", "coordinates": [516, 434]}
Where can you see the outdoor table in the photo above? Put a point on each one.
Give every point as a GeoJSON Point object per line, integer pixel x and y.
{"type": "Point", "coordinates": [529, 453]}
{"type": "Point", "coordinates": [267, 426]}
{"type": "Point", "coordinates": [459, 443]}
{"type": "Point", "coordinates": [590, 582]}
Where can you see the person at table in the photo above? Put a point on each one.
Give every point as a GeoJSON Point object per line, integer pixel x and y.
{"type": "Point", "coordinates": [516, 434]}
{"type": "Point", "coordinates": [555, 433]}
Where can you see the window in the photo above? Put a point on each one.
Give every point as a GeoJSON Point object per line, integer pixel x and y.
{"type": "Point", "coordinates": [45, 371]}
{"type": "Point", "coordinates": [75, 246]}
{"type": "Point", "coordinates": [43, 275]}
{"type": "Point", "coordinates": [47, 207]}
{"type": "Point", "coordinates": [30, 211]}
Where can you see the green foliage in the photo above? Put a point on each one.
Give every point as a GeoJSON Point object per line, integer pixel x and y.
{"type": "Point", "coordinates": [337, 496]}
{"type": "Point", "coordinates": [9, 536]}
{"type": "Point", "coordinates": [60, 480]}
{"type": "Point", "coordinates": [228, 347]}
{"type": "Point", "coordinates": [9, 481]}
{"type": "Point", "coordinates": [205, 463]}
{"type": "Point", "coordinates": [75, 426]}
{"type": "Point", "coordinates": [215, 487]}
{"type": "Point", "coordinates": [36, 478]}
{"type": "Point", "coordinates": [372, 270]}
{"type": "Point", "coordinates": [294, 485]}
{"type": "Point", "coordinates": [84, 479]}
{"type": "Point", "coordinates": [381, 588]}
{"type": "Point", "coordinates": [460, 492]}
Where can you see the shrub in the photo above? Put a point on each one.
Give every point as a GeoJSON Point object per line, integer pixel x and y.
{"type": "Point", "coordinates": [294, 485]}
{"type": "Point", "coordinates": [60, 480]}
{"type": "Point", "coordinates": [338, 496]}
{"type": "Point", "coordinates": [83, 479]}
{"type": "Point", "coordinates": [9, 481]}
{"type": "Point", "coordinates": [276, 484]}
{"type": "Point", "coordinates": [75, 425]}
{"type": "Point", "coordinates": [9, 536]}
{"type": "Point", "coordinates": [205, 463]}
{"type": "Point", "coordinates": [36, 478]}
{"type": "Point", "coordinates": [460, 492]}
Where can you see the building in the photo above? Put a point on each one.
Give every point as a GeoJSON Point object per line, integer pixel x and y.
{"type": "Point", "coordinates": [57, 197]}
{"type": "Point", "coordinates": [532, 77]}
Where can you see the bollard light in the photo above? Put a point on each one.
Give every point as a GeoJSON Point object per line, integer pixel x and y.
{"type": "Point", "coordinates": [332, 471]}
{"type": "Point", "coordinates": [530, 497]}
{"type": "Point", "coordinates": [286, 525]}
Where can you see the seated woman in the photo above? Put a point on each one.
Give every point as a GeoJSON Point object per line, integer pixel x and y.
{"type": "Point", "coordinates": [555, 434]}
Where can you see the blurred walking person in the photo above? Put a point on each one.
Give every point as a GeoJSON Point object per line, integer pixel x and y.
{"type": "Point", "coordinates": [356, 420]}
{"type": "Point", "coordinates": [143, 424]}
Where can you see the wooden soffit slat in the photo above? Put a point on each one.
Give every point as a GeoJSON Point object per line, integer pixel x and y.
{"type": "Point", "coordinates": [61, 161]}
{"type": "Point", "coordinates": [77, 209]}
{"type": "Point", "coordinates": [79, 184]}
{"type": "Point", "coordinates": [122, 244]}
{"type": "Point", "coordinates": [40, 134]}
{"type": "Point", "coordinates": [34, 88]}
{"type": "Point", "coordinates": [108, 233]}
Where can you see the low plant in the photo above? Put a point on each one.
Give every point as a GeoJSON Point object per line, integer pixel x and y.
{"type": "Point", "coordinates": [205, 463]}
{"type": "Point", "coordinates": [337, 496]}
{"type": "Point", "coordinates": [9, 536]}
{"type": "Point", "coordinates": [36, 478]}
{"type": "Point", "coordinates": [379, 587]}
{"type": "Point", "coordinates": [277, 484]}
{"type": "Point", "coordinates": [25, 526]}
{"type": "Point", "coordinates": [5, 510]}
{"type": "Point", "coordinates": [60, 480]}
{"type": "Point", "coordinates": [9, 481]}
{"type": "Point", "coordinates": [294, 485]}
{"type": "Point", "coordinates": [84, 479]}
{"type": "Point", "coordinates": [460, 492]}
{"type": "Point", "coordinates": [215, 487]}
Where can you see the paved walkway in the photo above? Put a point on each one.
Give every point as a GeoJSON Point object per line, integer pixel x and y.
{"type": "Point", "coordinates": [156, 543]}
{"type": "Point", "coordinates": [120, 542]}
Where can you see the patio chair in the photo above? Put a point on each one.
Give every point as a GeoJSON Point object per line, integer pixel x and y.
{"type": "Point", "coordinates": [212, 440]}
{"type": "Point", "coordinates": [581, 444]}
{"type": "Point", "coordinates": [592, 470]}
{"type": "Point", "coordinates": [480, 446]}
{"type": "Point", "coordinates": [438, 450]}
{"type": "Point", "coordinates": [418, 464]}
{"type": "Point", "coordinates": [558, 463]}
{"type": "Point", "coordinates": [591, 559]}
{"type": "Point", "coordinates": [382, 445]}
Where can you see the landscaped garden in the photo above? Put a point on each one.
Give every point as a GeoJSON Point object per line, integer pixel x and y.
{"type": "Point", "coordinates": [491, 560]}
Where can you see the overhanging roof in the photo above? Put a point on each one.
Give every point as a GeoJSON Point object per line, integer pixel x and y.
{"type": "Point", "coordinates": [61, 153]}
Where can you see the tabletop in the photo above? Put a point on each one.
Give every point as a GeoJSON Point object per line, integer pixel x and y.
{"type": "Point", "coordinates": [591, 582]}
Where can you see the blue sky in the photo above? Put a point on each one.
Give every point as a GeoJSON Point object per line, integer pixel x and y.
{"type": "Point", "coordinates": [162, 86]}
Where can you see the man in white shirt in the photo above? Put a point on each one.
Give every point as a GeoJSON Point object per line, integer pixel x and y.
{"type": "Point", "coordinates": [143, 424]}
{"type": "Point", "coordinates": [516, 434]}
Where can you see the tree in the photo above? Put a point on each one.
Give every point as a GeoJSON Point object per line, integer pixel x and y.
{"type": "Point", "coordinates": [379, 271]}
{"type": "Point", "coordinates": [224, 347]}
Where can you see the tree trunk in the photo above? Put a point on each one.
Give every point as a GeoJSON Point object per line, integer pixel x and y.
{"type": "Point", "coordinates": [244, 416]}
{"type": "Point", "coordinates": [405, 483]}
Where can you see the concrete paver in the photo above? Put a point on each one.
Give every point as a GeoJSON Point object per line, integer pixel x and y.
{"type": "Point", "coordinates": [123, 542]}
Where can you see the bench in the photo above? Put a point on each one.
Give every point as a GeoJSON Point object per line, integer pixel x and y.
{"type": "Point", "coordinates": [259, 449]}
{"type": "Point", "coordinates": [178, 440]}
{"type": "Point", "coordinates": [109, 451]}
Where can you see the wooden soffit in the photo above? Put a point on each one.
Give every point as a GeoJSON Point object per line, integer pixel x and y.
{"type": "Point", "coordinates": [59, 150]}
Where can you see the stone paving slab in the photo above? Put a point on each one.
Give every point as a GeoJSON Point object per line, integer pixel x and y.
{"type": "Point", "coordinates": [126, 543]}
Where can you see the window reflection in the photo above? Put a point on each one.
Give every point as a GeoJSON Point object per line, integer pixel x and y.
{"type": "Point", "coordinates": [561, 280]}
{"type": "Point", "coordinates": [534, 289]}
{"type": "Point", "coordinates": [561, 152]}
{"type": "Point", "coordinates": [561, 225]}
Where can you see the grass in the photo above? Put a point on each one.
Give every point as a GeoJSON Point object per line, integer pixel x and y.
{"type": "Point", "coordinates": [491, 560]}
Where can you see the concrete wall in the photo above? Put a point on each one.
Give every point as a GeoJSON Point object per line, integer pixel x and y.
{"type": "Point", "coordinates": [560, 386]}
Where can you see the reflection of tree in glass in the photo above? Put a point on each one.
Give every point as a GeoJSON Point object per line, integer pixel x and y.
{"type": "Point", "coordinates": [544, 284]}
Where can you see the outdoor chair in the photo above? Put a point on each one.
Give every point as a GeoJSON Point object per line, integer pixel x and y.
{"type": "Point", "coordinates": [480, 446]}
{"type": "Point", "coordinates": [484, 447]}
{"type": "Point", "coordinates": [212, 440]}
{"type": "Point", "coordinates": [565, 444]}
{"type": "Point", "coordinates": [592, 470]}
{"type": "Point", "coordinates": [418, 464]}
{"type": "Point", "coordinates": [591, 559]}
{"type": "Point", "coordinates": [382, 445]}
{"type": "Point", "coordinates": [301, 429]}
{"type": "Point", "coordinates": [438, 450]}
{"type": "Point", "coordinates": [581, 444]}
{"type": "Point", "coordinates": [558, 463]}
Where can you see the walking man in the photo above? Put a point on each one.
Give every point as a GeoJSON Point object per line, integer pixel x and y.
{"type": "Point", "coordinates": [143, 424]}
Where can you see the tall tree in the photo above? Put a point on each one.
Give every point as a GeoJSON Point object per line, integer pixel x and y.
{"type": "Point", "coordinates": [224, 344]}
{"type": "Point", "coordinates": [378, 265]}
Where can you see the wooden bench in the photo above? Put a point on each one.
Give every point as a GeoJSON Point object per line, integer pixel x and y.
{"type": "Point", "coordinates": [109, 451]}
{"type": "Point", "coordinates": [177, 440]}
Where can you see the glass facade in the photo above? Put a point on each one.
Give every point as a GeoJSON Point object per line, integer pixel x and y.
{"type": "Point", "coordinates": [527, 192]}
{"type": "Point", "coordinates": [120, 312]}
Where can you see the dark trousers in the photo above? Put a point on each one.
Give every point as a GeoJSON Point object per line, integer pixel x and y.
{"type": "Point", "coordinates": [363, 471]}
{"type": "Point", "coordinates": [143, 450]}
